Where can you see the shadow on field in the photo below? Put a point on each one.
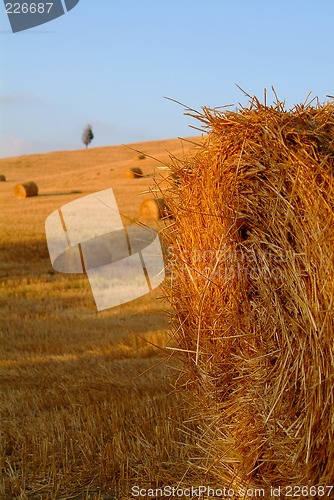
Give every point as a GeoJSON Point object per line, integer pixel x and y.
{"type": "Point", "coordinates": [24, 251]}
{"type": "Point", "coordinates": [62, 193]}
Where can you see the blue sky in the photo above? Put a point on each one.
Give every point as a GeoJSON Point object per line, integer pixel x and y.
{"type": "Point", "coordinates": [110, 63]}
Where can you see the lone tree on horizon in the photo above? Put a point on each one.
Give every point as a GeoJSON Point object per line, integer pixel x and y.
{"type": "Point", "coordinates": [87, 135]}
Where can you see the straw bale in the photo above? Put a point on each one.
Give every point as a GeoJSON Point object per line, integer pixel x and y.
{"type": "Point", "coordinates": [134, 173]}
{"type": "Point", "coordinates": [154, 208]}
{"type": "Point", "coordinates": [252, 264]}
{"type": "Point", "coordinates": [26, 190]}
{"type": "Point", "coordinates": [2, 178]}
{"type": "Point", "coordinates": [175, 178]}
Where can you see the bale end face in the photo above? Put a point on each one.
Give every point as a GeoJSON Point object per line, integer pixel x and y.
{"type": "Point", "coordinates": [25, 190]}
{"type": "Point", "coordinates": [154, 209]}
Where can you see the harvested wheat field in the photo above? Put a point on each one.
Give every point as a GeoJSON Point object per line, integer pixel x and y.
{"type": "Point", "coordinates": [87, 403]}
{"type": "Point", "coordinates": [252, 263]}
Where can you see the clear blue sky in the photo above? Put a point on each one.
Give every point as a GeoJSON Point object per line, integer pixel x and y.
{"type": "Point", "coordinates": [110, 63]}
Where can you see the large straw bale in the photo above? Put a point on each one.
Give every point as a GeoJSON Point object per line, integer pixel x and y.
{"type": "Point", "coordinates": [2, 178]}
{"type": "Point", "coordinates": [26, 190]}
{"type": "Point", "coordinates": [252, 262]}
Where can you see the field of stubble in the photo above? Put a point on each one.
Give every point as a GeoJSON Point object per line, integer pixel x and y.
{"type": "Point", "coordinates": [87, 404]}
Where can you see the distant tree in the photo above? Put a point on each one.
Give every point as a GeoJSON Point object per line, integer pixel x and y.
{"type": "Point", "coordinates": [87, 135]}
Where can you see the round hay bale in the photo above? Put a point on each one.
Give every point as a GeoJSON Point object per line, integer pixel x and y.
{"type": "Point", "coordinates": [252, 289]}
{"type": "Point", "coordinates": [25, 190]}
{"type": "Point", "coordinates": [134, 173]}
{"type": "Point", "coordinates": [141, 156]}
{"type": "Point", "coordinates": [154, 208]}
{"type": "Point", "coordinates": [176, 179]}
{"type": "Point", "coordinates": [2, 178]}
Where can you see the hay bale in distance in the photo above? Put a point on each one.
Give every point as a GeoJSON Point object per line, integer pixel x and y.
{"type": "Point", "coordinates": [154, 208]}
{"type": "Point", "coordinates": [26, 190]}
{"type": "Point", "coordinates": [252, 288]}
{"type": "Point", "coordinates": [141, 156]}
{"type": "Point", "coordinates": [2, 178]}
{"type": "Point", "coordinates": [176, 178]}
{"type": "Point", "coordinates": [134, 173]}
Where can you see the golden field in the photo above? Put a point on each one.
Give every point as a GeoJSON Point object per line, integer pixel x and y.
{"type": "Point", "coordinates": [88, 408]}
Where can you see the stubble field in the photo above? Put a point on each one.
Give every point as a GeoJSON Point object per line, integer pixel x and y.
{"type": "Point", "coordinates": [87, 404]}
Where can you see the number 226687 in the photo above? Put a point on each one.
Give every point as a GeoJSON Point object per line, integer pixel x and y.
{"type": "Point", "coordinates": [29, 8]}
